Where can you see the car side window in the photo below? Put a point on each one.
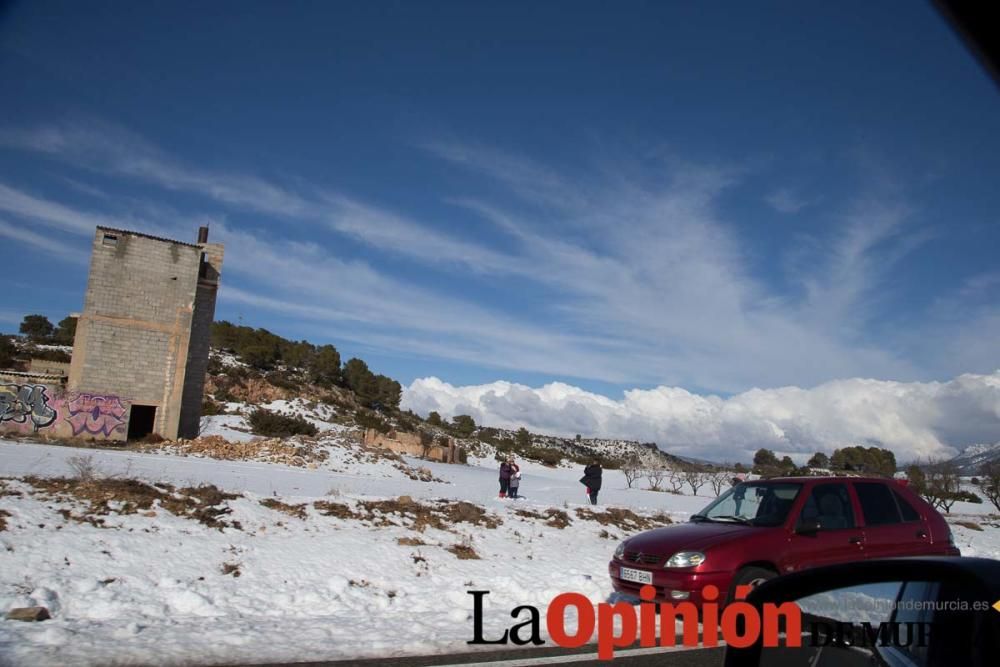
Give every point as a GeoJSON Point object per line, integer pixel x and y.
{"type": "Point", "coordinates": [909, 514]}
{"type": "Point", "coordinates": [877, 504]}
{"type": "Point", "coordinates": [830, 505]}
{"type": "Point", "coordinates": [915, 613]}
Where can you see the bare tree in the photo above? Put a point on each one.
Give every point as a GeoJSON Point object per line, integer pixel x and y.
{"type": "Point", "coordinates": [655, 475]}
{"type": "Point", "coordinates": [676, 479]}
{"type": "Point", "coordinates": [938, 482]}
{"type": "Point", "coordinates": [632, 469]}
{"type": "Point", "coordinates": [719, 479]}
{"type": "Point", "coordinates": [989, 482]}
{"type": "Point", "coordinates": [695, 479]}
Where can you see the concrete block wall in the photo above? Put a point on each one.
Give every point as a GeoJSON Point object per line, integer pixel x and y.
{"type": "Point", "coordinates": [38, 404]}
{"type": "Point", "coordinates": [46, 367]}
{"type": "Point", "coordinates": [201, 340]}
{"type": "Point", "coordinates": [135, 332]}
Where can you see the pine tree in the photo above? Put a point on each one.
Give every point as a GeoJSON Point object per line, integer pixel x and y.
{"type": "Point", "coordinates": [37, 328]}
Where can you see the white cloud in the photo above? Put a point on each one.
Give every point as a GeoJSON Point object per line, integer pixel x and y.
{"type": "Point", "coordinates": [45, 243]}
{"type": "Point", "coordinates": [634, 279]}
{"type": "Point", "coordinates": [111, 149]}
{"type": "Point", "coordinates": [914, 420]}
{"type": "Point", "coordinates": [50, 213]}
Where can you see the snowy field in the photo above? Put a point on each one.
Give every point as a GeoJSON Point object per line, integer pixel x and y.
{"type": "Point", "coordinates": [301, 583]}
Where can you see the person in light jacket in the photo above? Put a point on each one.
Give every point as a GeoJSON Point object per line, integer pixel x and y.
{"type": "Point", "coordinates": [515, 483]}
{"type": "Point", "coordinates": [592, 480]}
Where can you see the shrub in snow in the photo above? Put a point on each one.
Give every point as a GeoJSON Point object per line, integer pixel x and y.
{"type": "Point", "coordinates": [367, 419]}
{"type": "Point", "coordinates": [83, 467]}
{"type": "Point", "coordinates": [271, 424]}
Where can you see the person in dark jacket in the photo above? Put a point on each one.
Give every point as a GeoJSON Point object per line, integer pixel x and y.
{"type": "Point", "coordinates": [592, 480]}
{"type": "Point", "coordinates": [507, 468]}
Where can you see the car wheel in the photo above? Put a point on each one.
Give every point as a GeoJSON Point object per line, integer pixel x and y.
{"type": "Point", "coordinates": [750, 576]}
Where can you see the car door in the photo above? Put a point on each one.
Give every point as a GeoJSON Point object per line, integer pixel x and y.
{"type": "Point", "coordinates": [886, 531]}
{"type": "Point", "coordinates": [826, 531]}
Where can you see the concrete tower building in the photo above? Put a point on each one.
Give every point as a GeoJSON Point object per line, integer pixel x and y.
{"type": "Point", "coordinates": [144, 332]}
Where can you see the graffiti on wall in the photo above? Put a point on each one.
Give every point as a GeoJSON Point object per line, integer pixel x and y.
{"type": "Point", "coordinates": [95, 414]}
{"type": "Point", "coordinates": [20, 403]}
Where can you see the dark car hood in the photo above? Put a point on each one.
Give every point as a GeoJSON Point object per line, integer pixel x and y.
{"type": "Point", "coordinates": [669, 540]}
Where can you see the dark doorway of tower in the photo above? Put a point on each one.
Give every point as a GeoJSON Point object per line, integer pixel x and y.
{"type": "Point", "coordinates": [141, 421]}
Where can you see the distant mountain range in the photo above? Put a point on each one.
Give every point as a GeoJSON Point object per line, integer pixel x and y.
{"type": "Point", "coordinates": [974, 456]}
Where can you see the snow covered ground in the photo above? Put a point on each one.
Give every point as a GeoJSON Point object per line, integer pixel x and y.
{"type": "Point", "coordinates": [153, 587]}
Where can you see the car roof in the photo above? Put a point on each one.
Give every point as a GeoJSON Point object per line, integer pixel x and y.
{"type": "Point", "coordinates": [824, 478]}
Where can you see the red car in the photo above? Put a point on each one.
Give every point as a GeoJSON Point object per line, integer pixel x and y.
{"type": "Point", "coordinates": [758, 530]}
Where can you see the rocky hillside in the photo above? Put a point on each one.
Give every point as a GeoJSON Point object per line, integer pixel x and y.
{"type": "Point", "coordinates": [261, 384]}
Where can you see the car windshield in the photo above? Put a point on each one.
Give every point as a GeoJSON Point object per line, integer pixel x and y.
{"type": "Point", "coordinates": [755, 504]}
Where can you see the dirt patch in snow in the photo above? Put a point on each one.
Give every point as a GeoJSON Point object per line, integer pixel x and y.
{"type": "Point", "coordinates": [4, 515]}
{"type": "Point", "coordinates": [623, 518]}
{"type": "Point", "coordinates": [102, 497]}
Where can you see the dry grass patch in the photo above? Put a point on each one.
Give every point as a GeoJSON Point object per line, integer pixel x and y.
{"type": "Point", "coordinates": [4, 491]}
{"type": "Point", "coordinates": [4, 515]}
{"type": "Point", "coordinates": [420, 474]}
{"type": "Point", "coordinates": [971, 525]}
{"type": "Point", "coordinates": [298, 511]}
{"type": "Point", "coordinates": [411, 542]}
{"type": "Point", "coordinates": [464, 551]}
{"type": "Point", "coordinates": [442, 515]}
{"type": "Point", "coordinates": [338, 510]}
{"type": "Point", "coordinates": [625, 519]}
{"type": "Point", "coordinates": [300, 451]}
{"type": "Point", "coordinates": [552, 517]}
{"type": "Point", "coordinates": [205, 504]}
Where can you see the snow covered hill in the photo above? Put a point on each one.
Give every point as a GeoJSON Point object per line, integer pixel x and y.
{"type": "Point", "coordinates": [345, 556]}
{"type": "Point", "coordinates": [973, 457]}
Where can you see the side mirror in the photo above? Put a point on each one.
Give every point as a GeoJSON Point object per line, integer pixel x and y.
{"type": "Point", "coordinates": [808, 527]}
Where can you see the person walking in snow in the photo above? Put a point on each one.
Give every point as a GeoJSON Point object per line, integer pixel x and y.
{"type": "Point", "coordinates": [515, 483]}
{"type": "Point", "coordinates": [507, 469]}
{"type": "Point", "coordinates": [592, 480]}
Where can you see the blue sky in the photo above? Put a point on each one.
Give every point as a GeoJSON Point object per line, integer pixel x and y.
{"type": "Point", "coordinates": [612, 195]}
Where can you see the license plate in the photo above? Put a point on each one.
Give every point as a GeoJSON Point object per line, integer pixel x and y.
{"type": "Point", "coordinates": [638, 576]}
